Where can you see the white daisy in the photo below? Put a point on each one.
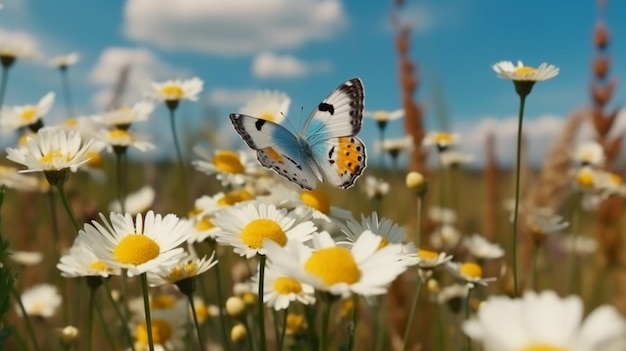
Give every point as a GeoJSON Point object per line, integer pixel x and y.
{"type": "Point", "coordinates": [186, 268]}
{"type": "Point", "coordinates": [317, 204]}
{"type": "Point", "coordinates": [542, 222]}
{"type": "Point", "coordinates": [269, 105]}
{"type": "Point", "coordinates": [442, 140]}
{"type": "Point", "coordinates": [244, 227]}
{"type": "Point", "coordinates": [375, 188]}
{"type": "Point", "coordinates": [81, 261]}
{"type": "Point", "coordinates": [481, 248]}
{"type": "Point", "coordinates": [51, 150]}
{"type": "Point", "coordinates": [470, 272]}
{"type": "Point", "coordinates": [507, 70]}
{"type": "Point", "coordinates": [382, 117]}
{"type": "Point", "coordinates": [579, 244]}
{"type": "Point", "coordinates": [230, 167]}
{"type": "Point", "coordinates": [280, 290]}
{"type": "Point", "coordinates": [176, 90]}
{"type": "Point", "coordinates": [64, 61]}
{"type": "Point", "coordinates": [442, 215]}
{"type": "Point", "coordinates": [40, 301]}
{"type": "Point", "coordinates": [430, 259]}
{"type": "Point", "coordinates": [16, 45]}
{"type": "Point", "coordinates": [364, 269]}
{"type": "Point", "coordinates": [86, 126]}
{"type": "Point", "coordinates": [12, 179]}
{"type": "Point", "coordinates": [390, 232]}
{"type": "Point", "coordinates": [26, 258]}
{"type": "Point", "coordinates": [122, 139]}
{"type": "Point", "coordinates": [589, 154]}
{"type": "Point", "coordinates": [452, 158]}
{"type": "Point", "coordinates": [452, 293]}
{"type": "Point", "coordinates": [545, 322]}
{"type": "Point", "coordinates": [168, 331]}
{"type": "Point", "coordinates": [611, 184]}
{"type": "Point", "coordinates": [445, 237]}
{"type": "Point", "coordinates": [13, 118]}
{"type": "Point", "coordinates": [396, 146]}
{"type": "Point", "coordinates": [209, 205]}
{"type": "Point", "coordinates": [123, 117]}
{"type": "Point", "coordinates": [139, 247]}
{"type": "Point", "coordinates": [136, 202]}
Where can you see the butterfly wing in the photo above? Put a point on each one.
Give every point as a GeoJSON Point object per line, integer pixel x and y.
{"type": "Point", "coordinates": [277, 148]}
{"type": "Point", "coordinates": [331, 132]}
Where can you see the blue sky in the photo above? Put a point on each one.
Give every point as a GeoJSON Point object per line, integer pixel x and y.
{"type": "Point", "coordinates": [309, 47]}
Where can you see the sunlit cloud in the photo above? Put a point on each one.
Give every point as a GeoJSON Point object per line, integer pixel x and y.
{"type": "Point", "coordinates": [229, 97]}
{"type": "Point", "coordinates": [269, 65]}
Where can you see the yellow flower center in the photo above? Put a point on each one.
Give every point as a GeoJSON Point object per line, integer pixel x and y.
{"type": "Point", "coordinates": [333, 265]}
{"type": "Point", "coordinates": [118, 134]}
{"type": "Point", "coordinates": [543, 347]}
{"type": "Point", "coordinates": [161, 332]}
{"type": "Point", "coordinates": [23, 140]}
{"type": "Point", "coordinates": [381, 115]}
{"type": "Point", "coordinates": [204, 224]}
{"type": "Point", "coordinates": [524, 70]}
{"type": "Point", "coordinates": [585, 179]}
{"type": "Point", "coordinates": [249, 298]}
{"type": "Point", "coordinates": [234, 197]}
{"type": "Point", "coordinates": [316, 200]}
{"type": "Point", "coordinates": [471, 270]}
{"type": "Point", "coordinates": [294, 323]}
{"type": "Point", "coordinates": [346, 307]}
{"type": "Point", "coordinates": [49, 158]}
{"type": "Point", "coordinates": [256, 231]}
{"type": "Point", "coordinates": [227, 161]}
{"type": "Point", "coordinates": [268, 116]}
{"type": "Point", "coordinates": [194, 212]}
{"type": "Point", "coordinates": [98, 266]}
{"type": "Point", "coordinates": [95, 160]}
{"type": "Point", "coordinates": [136, 249]}
{"type": "Point", "coordinates": [428, 255]}
{"type": "Point", "coordinates": [29, 115]}
{"type": "Point", "coordinates": [36, 308]}
{"type": "Point", "coordinates": [287, 285]}
{"type": "Point", "coordinates": [202, 311]}
{"type": "Point", "coordinates": [172, 92]}
{"type": "Point", "coordinates": [70, 122]}
{"type": "Point", "coordinates": [443, 138]}
{"type": "Point", "coordinates": [183, 271]}
{"type": "Point", "coordinates": [162, 302]}
{"type": "Point", "coordinates": [616, 179]}
{"type": "Point", "coordinates": [383, 242]}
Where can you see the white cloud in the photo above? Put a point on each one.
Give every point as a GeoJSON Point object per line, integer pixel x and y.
{"type": "Point", "coordinates": [143, 65]}
{"type": "Point", "coordinates": [269, 65]}
{"type": "Point", "coordinates": [223, 96]}
{"type": "Point", "coordinates": [235, 27]}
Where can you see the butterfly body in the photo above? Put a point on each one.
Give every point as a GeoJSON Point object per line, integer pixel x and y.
{"type": "Point", "coordinates": [326, 148]}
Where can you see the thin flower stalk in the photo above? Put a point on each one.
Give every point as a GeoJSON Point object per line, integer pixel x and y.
{"type": "Point", "coordinates": [416, 295]}
{"type": "Point", "coordinates": [195, 320]}
{"type": "Point", "coordinates": [518, 157]}
{"type": "Point", "coordinates": [67, 96]}
{"type": "Point", "coordinates": [146, 306]}
{"type": "Point", "coordinates": [179, 155]}
{"type": "Point", "coordinates": [27, 320]}
{"type": "Point", "coordinates": [261, 305]}
{"type": "Point", "coordinates": [220, 299]}
{"type": "Point", "coordinates": [353, 322]}
{"type": "Point", "coordinates": [118, 313]}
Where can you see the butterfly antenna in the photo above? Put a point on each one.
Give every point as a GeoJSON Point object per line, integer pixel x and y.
{"type": "Point", "coordinates": [288, 121]}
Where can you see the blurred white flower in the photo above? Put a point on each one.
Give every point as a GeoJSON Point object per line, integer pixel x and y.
{"type": "Point", "coordinates": [269, 105]}
{"type": "Point", "coordinates": [506, 69]}
{"type": "Point", "coordinates": [64, 61]}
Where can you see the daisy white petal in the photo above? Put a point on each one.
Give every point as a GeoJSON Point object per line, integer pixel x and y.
{"type": "Point", "coordinates": [64, 61]}
{"type": "Point", "coordinates": [230, 167]}
{"type": "Point", "coordinates": [136, 202]}
{"type": "Point", "coordinates": [269, 105]}
{"type": "Point", "coordinates": [13, 118]}
{"type": "Point", "coordinates": [176, 90]}
{"type": "Point", "coordinates": [40, 300]}
{"type": "Point", "coordinates": [506, 70]}
{"type": "Point", "coordinates": [123, 117]}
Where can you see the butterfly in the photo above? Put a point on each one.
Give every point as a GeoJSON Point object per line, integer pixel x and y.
{"type": "Point", "coordinates": [326, 148]}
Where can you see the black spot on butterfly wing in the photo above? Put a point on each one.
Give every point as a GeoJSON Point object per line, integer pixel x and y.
{"type": "Point", "coordinates": [259, 124]}
{"type": "Point", "coordinates": [325, 107]}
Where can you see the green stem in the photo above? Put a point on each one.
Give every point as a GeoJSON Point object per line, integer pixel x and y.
{"type": "Point", "coordinates": [309, 312]}
{"type": "Point", "coordinates": [105, 328]}
{"type": "Point", "coordinates": [467, 316]}
{"type": "Point", "coordinates": [325, 321]}
{"type": "Point", "coordinates": [67, 206]}
{"type": "Point", "coordinates": [572, 267]}
{"type": "Point", "coordinates": [146, 307]}
{"type": "Point", "coordinates": [281, 340]}
{"type": "Point", "coordinates": [381, 327]}
{"type": "Point", "coordinates": [29, 323]}
{"type": "Point", "coordinates": [65, 81]}
{"type": "Point", "coordinates": [92, 305]}
{"type": "Point", "coordinates": [249, 336]}
{"type": "Point", "coordinates": [418, 229]}
{"type": "Point", "coordinates": [352, 328]}
{"type": "Point", "coordinates": [119, 314]}
{"type": "Point", "coordinates": [382, 152]}
{"type": "Point", "coordinates": [179, 155]}
{"type": "Point", "coordinates": [120, 180]}
{"type": "Point", "coordinates": [409, 326]}
{"type": "Point", "coordinates": [261, 305]}
{"type": "Point", "coordinates": [3, 84]}
{"type": "Point", "coordinates": [518, 158]}
{"type": "Point", "coordinates": [220, 301]}
{"type": "Point", "coordinates": [56, 241]}
{"type": "Point", "coordinates": [195, 320]}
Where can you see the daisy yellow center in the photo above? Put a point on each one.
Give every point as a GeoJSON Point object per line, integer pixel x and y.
{"type": "Point", "coordinates": [202, 311]}
{"type": "Point", "coordinates": [161, 332]}
{"type": "Point", "coordinates": [543, 347]}
{"type": "Point", "coordinates": [257, 230]}
{"type": "Point", "coordinates": [51, 156]}
{"type": "Point", "coordinates": [316, 200]}
{"type": "Point", "coordinates": [182, 271]}
{"type": "Point", "coordinates": [173, 92]}
{"type": "Point", "coordinates": [249, 298]}
{"type": "Point", "coordinates": [287, 285]}
{"type": "Point", "coordinates": [23, 140]}
{"type": "Point", "coordinates": [118, 134]}
{"type": "Point", "coordinates": [524, 70]}
{"type": "Point", "coordinates": [333, 265]}
{"type": "Point", "coordinates": [37, 308]}
{"type": "Point", "coordinates": [136, 249]}
{"type": "Point", "coordinates": [381, 115]}
{"type": "Point", "coordinates": [98, 266]}
{"type": "Point", "coordinates": [234, 197]}
{"type": "Point", "coordinates": [294, 323]}
{"type": "Point", "coordinates": [471, 270]}
{"type": "Point", "coordinates": [383, 242]}
{"type": "Point", "coordinates": [428, 255]}
{"type": "Point", "coordinates": [443, 138]}
{"type": "Point", "coordinates": [95, 160]}
{"type": "Point", "coordinates": [204, 224]}
{"type": "Point", "coordinates": [227, 161]}
{"type": "Point", "coordinates": [194, 212]}
{"type": "Point", "coordinates": [28, 115]}
{"type": "Point", "coordinates": [585, 179]}
{"type": "Point", "coordinates": [268, 116]}
{"type": "Point", "coordinates": [616, 179]}
{"type": "Point", "coordinates": [70, 122]}
{"type": "Point", "coordinates": [162, 302]}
